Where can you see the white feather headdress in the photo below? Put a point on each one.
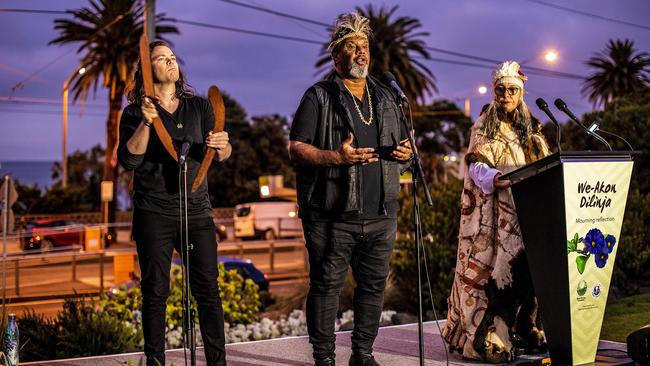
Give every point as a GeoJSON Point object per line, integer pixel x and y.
{"type": "Point", "coordinates": [349, 25]}
{"type": "Point", "coordinates": [509, 71]}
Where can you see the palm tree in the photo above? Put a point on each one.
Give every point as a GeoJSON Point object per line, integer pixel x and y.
{"type": "Point", "coordinates": [108, 32]}
{"type": "Point", "coordinates": [619, 71]}
{"type": "Point", "coordinates": [396, 46]}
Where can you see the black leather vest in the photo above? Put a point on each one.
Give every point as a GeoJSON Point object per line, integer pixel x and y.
{"type": "Point", "coordinates": [329, 192]}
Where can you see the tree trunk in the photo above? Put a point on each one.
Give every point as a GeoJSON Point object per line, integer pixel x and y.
{"type": "Point", "coordinates": [110, 160]}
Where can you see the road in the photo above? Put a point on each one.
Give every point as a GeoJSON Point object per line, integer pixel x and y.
{"type": "Point", "coordinates": [43, 280]}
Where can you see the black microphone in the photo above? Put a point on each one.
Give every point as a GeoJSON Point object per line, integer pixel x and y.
{"type": "Point", "coordinates": [543, 106]}
{"type": "Point", "coordinates": [561, 105]}
{"type": "Point", "coordinates": [185, 149]}
{"type": "Point", "coordinates": [389, 79]}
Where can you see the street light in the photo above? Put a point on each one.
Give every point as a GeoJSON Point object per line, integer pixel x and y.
{"type": "Point", "coordinates": [550, 56]}
{"type": "Point", "coordinates": [482, 89]}
{"type": "Point", "coordinates": [64, 160]}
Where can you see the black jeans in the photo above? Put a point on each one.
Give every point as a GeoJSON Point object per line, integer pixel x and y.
{"type": "Point", "coordinates": [364, 245]}
{"type": "Point", "coordinates": [156, 237]}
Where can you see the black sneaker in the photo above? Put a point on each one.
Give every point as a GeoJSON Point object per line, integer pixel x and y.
{"type": "Point", "coordinates": [362, 359]}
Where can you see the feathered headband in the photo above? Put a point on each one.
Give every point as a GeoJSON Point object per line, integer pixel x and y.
{"type": "Point", "coordinates": [347, 26]}
{"type": "Point", "coordinates": [509, 71]}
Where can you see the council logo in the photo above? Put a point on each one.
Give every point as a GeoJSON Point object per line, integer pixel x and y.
{"type": "Point", "coordinates": [596, 291]}
{"type": "Point", "coordinates": [582, 288]}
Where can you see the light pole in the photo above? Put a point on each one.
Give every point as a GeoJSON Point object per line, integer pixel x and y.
{"type": "Point", "coordinates": [64, 159]}
{"type": "Point", "coordinates": [482, 89]}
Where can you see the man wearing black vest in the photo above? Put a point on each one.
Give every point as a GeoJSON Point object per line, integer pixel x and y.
{"type": "Point", "coordinates": [346, 144]}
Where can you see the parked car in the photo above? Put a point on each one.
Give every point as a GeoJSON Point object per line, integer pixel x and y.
{"type": "Point", "coordinates": [244, 267]}
{"type": "Point", "coordinates": [267, 220]}
{"type": "Point", "coordinates": [50, 233]}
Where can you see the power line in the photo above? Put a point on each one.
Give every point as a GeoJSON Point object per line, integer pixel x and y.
{"type": "Point", "coordinates": [492, 62]}
{"type": "Point", "coordinates": [434, 49]}
{"type": "Point", "coordinates": [32, 11]}
{"type": "Point", "coordinates": [294, 21]}
{"type": "Point", "coordinates": [592, 15]}
{"type": "Point", "coordinates": [46, 101]}
{"type": "Point", "coordinates": [274, 12]}
{"type": "Point", "coordinates": [21, 83]}
{"type": "Point", "coordinates": [246, 31]}
{"type": "Point", "coordinates": [53, 113]}
{"type": "Point", "coordinates": [532, 70]}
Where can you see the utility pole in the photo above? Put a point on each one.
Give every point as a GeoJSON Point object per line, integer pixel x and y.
{"type": "Point", "coordinates": [150, 19]}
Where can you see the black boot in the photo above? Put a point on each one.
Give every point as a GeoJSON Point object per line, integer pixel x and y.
{"type": "Point", "coordinates": [362, 359]}
{"type": "Point", "coordinates": [329, 361]}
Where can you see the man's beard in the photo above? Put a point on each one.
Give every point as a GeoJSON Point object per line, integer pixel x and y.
{"type": "Point", "coordinates": [358, 71]}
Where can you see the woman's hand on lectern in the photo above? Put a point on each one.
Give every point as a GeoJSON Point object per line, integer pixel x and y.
{"type": "Point", "coordinates": [500, 183]}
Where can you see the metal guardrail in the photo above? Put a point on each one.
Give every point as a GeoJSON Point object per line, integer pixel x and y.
{"type": "Point", "coordinates": [271, 246]}
{"type": "Point", "coordinates": [220, 214]}
{"type": "Point", "coordinates": [76, 254]}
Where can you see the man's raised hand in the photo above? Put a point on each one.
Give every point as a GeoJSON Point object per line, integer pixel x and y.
{"type": "Point", "coordinates": [350, 155]}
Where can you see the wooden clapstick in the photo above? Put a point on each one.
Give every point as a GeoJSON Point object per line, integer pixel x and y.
{"type": "Point", "coordinates": [147, 78]}
{"type": "Point", "coordinates": [219, 109]}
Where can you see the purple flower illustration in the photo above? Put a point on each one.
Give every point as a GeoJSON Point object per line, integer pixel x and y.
{"type": "Point", "coordinates": [594, 242]}
{"type": "Point", "coordinates": [610, 242]}
{"type": "Point", "coordinates": [601, 259]}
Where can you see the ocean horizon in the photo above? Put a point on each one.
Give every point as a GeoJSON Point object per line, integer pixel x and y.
{"type": "Point", "coordinates": [29, 172]}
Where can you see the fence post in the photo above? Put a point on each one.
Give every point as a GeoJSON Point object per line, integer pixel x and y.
{"type": "Point", "coordinates": [17, 269]}
{"type": "Point", "coordinates": [101, 273]}
{"type": "Point", "coordinates": [241, 250]}
{"type": "Point", "coordinates": [74, 267]}
{"type": "Point", "coordinates": [272, 256]}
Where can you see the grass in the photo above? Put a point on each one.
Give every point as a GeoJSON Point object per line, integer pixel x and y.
{"type": "Point", "coordinates": [624, 316]}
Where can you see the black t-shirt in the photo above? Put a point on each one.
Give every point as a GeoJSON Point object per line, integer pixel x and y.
{"type": "Point", "coordinates": [156, 178]}
{"type": "Point", "coordinates": [304, 129]}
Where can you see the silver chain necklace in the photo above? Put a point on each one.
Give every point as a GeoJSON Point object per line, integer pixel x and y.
{"type": "Point", "coordinates": [354, 100]}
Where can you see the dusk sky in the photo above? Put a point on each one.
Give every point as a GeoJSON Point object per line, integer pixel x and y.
{"type": "Point", "coordinates": [267, 75]}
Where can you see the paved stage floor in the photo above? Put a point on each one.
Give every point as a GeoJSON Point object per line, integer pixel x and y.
{"type": "Point", "coordinates": [394, 346]}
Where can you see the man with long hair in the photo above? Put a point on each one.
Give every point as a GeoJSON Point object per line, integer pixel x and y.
{"type": "Point", "coordinates": [346, 142]}
{"type": "Point", "coordinates": [492, 307]}
{"type": "Point", "coordinates": [156, 200]}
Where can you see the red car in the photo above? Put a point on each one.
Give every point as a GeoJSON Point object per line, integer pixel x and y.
{"type": "Point", "coordinates": [46, 234]}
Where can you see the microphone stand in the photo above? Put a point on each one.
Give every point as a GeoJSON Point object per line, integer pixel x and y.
{"type": "Point", "coordinates": [562, 106]}
{"type": "Point", "coordinates": [189, 328]}
{"type": "Point", "coordinates": [595, 126]}
{"type": "Point", "coordinates": [417, 174]}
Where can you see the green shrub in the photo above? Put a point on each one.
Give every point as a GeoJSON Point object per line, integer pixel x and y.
{"type": "Point", "coordinates": [37, 337]}
{"type": "Point", "coordinates": [77, 330]}
{"type": "Point", "coordinates": [83, 331]}
{"type": "Point", "coordinates": [633, 256]}
{"type": "Point", "coordinates": [240, 300]}
{"type": "Point", "coordinates": [440, 225]}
